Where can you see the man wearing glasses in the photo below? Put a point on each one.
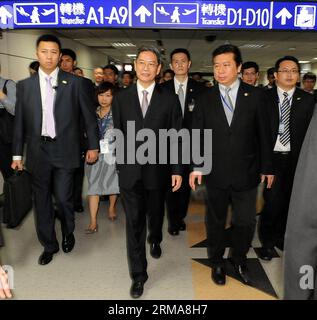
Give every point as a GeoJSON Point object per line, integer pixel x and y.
{"type": "Point", "coordinates": [290, 110]}
{"type": "Point", "coordinates": [143, 184]}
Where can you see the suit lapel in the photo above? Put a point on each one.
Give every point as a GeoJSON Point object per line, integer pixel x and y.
{"type": "Point", "coordinates": [62, 82]}
{"type": "Point", "coordinates": [295, 108]}
{"type": "Point", "coordinates": [136, 102]}
{"type": "Point", "coordinates": [38, 102]}
{"type": "Point", "coordinates": [275, 112]}
{"type": "Point", "coordinates": [242, 95]}
{"type": "Point", "coordinates": [154, 103]}
{"type": "Point", "coordinates": [219, 107]}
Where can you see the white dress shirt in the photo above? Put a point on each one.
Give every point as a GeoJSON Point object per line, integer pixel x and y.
{"type": "Point", "coordinates": [42, 76]}
{"type": "Point", "coordinates": [279, 147]}
{"type": "Point", "coordinates": [149, 90]}
{"type": "Point", "coordinates": [233, 92]}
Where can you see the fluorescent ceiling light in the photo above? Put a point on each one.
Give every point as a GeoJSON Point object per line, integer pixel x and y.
{"type": "Point", "coordinates": [128, 67]}
{"type": "Point", "coordinates": [253, 46]}
{"type": "Point", "coordinates": [131, 55]}
{"type": "Point", "coordinates": [123, 44]}
{"type": "Point", "coordinates": [303, 61]}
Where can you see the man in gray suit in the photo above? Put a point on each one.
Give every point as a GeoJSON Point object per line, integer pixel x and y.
{"type": "Point", "coordinates": [300, 262]}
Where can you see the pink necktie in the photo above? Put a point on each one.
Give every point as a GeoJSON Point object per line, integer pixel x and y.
{"type": "Point", "coordinates": [49, 106]}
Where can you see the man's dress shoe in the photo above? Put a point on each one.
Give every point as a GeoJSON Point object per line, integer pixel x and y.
{"type": "Point", "coordinates": [218, 276]}
{"type": "Point", "coordinates": [182, 226]}
{"type": "Point", "coordinates": [68, 243]}
{"type": "Point", "coordinates": [173, 231]}
{"type": "Point", "coordinates": [136, 290]}
{"type": "Point", "coordinates": [266, 253]}
{"type": "Point", "coordinates": [155, 250]}
{"type": "Point", "coordinates": [46, 257]}
{"type": "Point", "coordinates": [242, 272]}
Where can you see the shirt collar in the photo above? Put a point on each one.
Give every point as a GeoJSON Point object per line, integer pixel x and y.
{"type": "Point", "coordinates": [234, 85]}
{"type": "Point", "coordinates": [53, 74]}
{"type": "Point", "coordinates": [177, 83]}
{"type": "Point", "coordinates": [148, 89]}
{"type": "Point", "coordinates": [289, 93]}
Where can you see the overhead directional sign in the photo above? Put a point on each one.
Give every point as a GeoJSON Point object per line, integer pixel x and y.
{"type": "Point", "coordinates": [271, 15]}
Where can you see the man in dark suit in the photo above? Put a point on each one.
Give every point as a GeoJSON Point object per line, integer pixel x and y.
{"type": "Point", "coordinates": [48, 109]}
{"type": "Point", "coordinates": [290, 110]}
{"type": "Point", "coordinates": [250, 73]}
{"type": "Point", "coordinates": [143, 185]}
{"type": "Point", "coordinates": [187, 90]}
{"type": "Point", "coordinates": [309, 82]}
{"type": "Point", "coordinates": [241, 152]}
{"type": "Point", "coordinates": [270, 78]}
{"type": "Point", "coordinates": [67, 63]}
{"type": "Point", "coordinates": [110, 74]}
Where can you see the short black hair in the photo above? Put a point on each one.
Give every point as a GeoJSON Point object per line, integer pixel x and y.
{"type": "Point", "coordinates": [77, 68]}
{"type": "Point", "coordinates": [112, 67]}
{"type": "Point", "coordinates": [48, 38]}
{"type": "Point", "coordinates": [34, 65]}
{"type": "Point", "coordinates": [196, 74]}
{"type": "Point", "coordinates": [169, 71]}
{"type": "Point", "coordinates": [270, 71]}
{"type": "Point", "coordinates": [309, 76]}
{"type": "Point", "coordinates": [151, 49]}
{"type": "Point", "coordinates": [286, 58]}
{"type": "Point", "coordinates": [228, 48]}
{"type": "Point", "coordinates": [180, 50]}
{"type": "Point", "coordinates": [250, 64]}
{"type": "Point", "coordinates": [69, 52]}
{"type": "Point", "coordinates": [128, 73]}
{"type": "Point", "coordinates": [102, 88]}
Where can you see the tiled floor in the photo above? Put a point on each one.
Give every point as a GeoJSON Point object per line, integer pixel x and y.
{"type": "Point", "coordinates": [97, 267]}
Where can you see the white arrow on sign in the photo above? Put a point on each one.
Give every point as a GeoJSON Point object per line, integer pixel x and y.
{"type": "Point", "coordinates": [284, 14]}
{"type": "Point", "coordinates": [142, 12]}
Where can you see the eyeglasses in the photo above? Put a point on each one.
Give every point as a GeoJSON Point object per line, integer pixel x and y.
{"type": "Point", "coordinates": [150, 65]}
{"type": "Point", "coordinates": [286, 71]}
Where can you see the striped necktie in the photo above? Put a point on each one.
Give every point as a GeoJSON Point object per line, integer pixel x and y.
{"type": "Point", "coordinates": [285, 116]}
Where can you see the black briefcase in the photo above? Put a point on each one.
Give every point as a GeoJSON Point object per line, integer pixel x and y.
{"type": "Point", "coordinates": [17, 198]}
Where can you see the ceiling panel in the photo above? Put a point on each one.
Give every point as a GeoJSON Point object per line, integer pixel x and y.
{"type": "Point", "coordinates": [303, 45]}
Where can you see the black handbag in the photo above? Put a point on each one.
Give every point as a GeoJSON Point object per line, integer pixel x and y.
{"type": "Point", "coordinates": [17, 198]}
{"type": "Point", "coordinates": [6, 122]}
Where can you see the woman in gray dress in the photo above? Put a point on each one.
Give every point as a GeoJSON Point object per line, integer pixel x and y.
{"type": "Point", "coordinates": [102, 176]}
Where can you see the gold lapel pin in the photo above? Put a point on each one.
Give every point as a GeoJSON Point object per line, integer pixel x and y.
{"type": "Point", "coordinates": [64, 82]}
{"type": "Point", "coordinates": [298, 98]}
{"type": "Point", "coordinates": [246, 94]}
